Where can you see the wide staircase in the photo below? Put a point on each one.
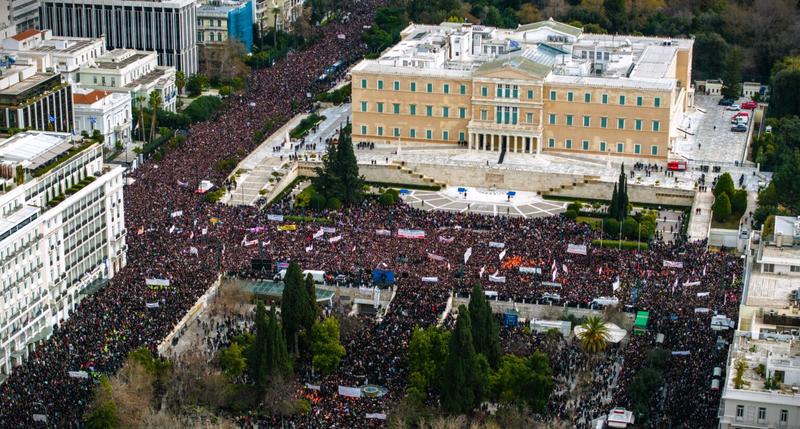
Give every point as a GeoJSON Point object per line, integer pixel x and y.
{"type": "Point", "coordinates": [416, 178]}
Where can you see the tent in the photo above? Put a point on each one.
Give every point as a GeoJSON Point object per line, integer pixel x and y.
{"type": "Point", "coordinates": [383, 277]}
{"type": "Point", "coordinates": [640, 324]}
{"type": "Point", "coordinates": [615, 333]}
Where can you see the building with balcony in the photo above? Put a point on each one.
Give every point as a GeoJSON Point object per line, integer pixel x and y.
{"type": "Point", "coordinates": [277, 13]}
{"type": "Point", "coordinates": [764, 392]}
{"type": "Point", "coordinates": [133, 72]}
{"type": "Point", "coordinates": [104, 111]}
{"type": "Point", "coordinates": [30, 99]}
{"type": "Point", "coordinates": [65, 55]}
{"type": "Point", "coordinates": [219, 21]}
{"type": "Point", "coordinates": [167, 27]}
{"type": "Point", "coordinates": [62, 233]}
{"type": "Point", "coordinates": [545, 86]}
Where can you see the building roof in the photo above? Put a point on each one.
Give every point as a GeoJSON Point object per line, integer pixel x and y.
{"type": "Point", "coordinates": [25, 34]}
{"type": "Point", "coordinates": [788, 226]}
{"type": "Point", "coordinates": [554, 25]}
{"type": "Point", "coordinates": [34, 149]}
{"type": "Point", "coordinates": [90, 97]}
{"type": "Point", "coordinates": [516, 61]}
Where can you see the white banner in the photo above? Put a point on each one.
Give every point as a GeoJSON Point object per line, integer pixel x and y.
{"type": "Point", "coordinates": [502, 254]}
{"type": "Point", "coordinates": [328, 229]}
{"type": "Point", "coordinates": [490, 293]}
{"type": "Point", "coordinates": [152, 305]}
{"type": "Point", "coordinates": [615, 285]}
{"type": "Point", "coordinates": [318, 234]}
{"type": "Point", "coordinates": [410, 233]}
{"type": "Point", "coordinates": [193, 250]}
{"type": "Point", "coordinates": [352, 392]}
{"type": "Point", "coordinates": [496, 244]}
{"type": "Point", "coordinates": [334, 239]}
{"type": "Point", "coordinates": [497, 279]}
{"type": "Point", "coordinates": [275, 217]}
{"type": "Point", "coordinates": [384, 232]}
{"type": "Point", "coordinates": [379, 416]}
{"type": "Point", "coordinates": [312, 386]}
{"type": "Point", "coordinates": [702, 294]}
{"type": "Point", "coordinates": [578, 249]}
{"type": "Point", "coordinates": [246, 243]}
{"type": "Point", "coordinates": [78, 374]}
{"type": "Point", "coordinates": [430, 279]}
{"type": "Point", "coordinates": [309, 248]}
{"type": "Point", "coordinates": [692, 284]}
{"type": "Point", "coordinates": [701, 310]}
{"type": "Point", "coordinates": [156, 282]}
{"type": "Point", "coordinates": [171, 229]}
{"type": "Point", "coordinates": [178, 213]}
{"type": "Point", "coordinates": [183, 184]}
{"type": "Point", "coordinates": [435, 257]}
{"type": "Point", "coordinates": [673, 264]}
{"type": "Point", "coordinates": [467, 255]}
{"type": "Point", "coordinates": [40, 418]}
{"type": "Point", "coordinates": [606, 300]}
{"type": "Point", "coordinates": [446, 240]}
{"type": "Point", "coordinates": [204, 231]}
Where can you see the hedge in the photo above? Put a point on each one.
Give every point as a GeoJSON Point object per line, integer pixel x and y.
{"type": "Point", "coordinates": [627, 245]}
{"type": "Point", "coordinates": [295, 218]}
{"type": "Point", "coordinates": [403, 186]}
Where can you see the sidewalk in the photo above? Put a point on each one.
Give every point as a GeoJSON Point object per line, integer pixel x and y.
{"type": "Point", "coordinates": [699, 224]}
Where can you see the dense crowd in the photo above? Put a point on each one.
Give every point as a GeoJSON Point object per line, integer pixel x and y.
{"type": "Point", "coordinates": [174, 235]}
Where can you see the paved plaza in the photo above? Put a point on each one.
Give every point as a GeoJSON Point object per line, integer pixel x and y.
{"type": "Point", "coordinates": [707, 136]}
{"type": "Point", "coordinates": [484, 201]}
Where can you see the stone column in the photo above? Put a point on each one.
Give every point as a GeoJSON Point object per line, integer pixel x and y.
{"type": "Point", "coordinates": [469, 141]}
{"type": "Point", "coordinates": [538, 145]}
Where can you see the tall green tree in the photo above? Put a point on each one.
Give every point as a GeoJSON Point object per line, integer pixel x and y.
{"type": "Point", "coordinates": [787, 184]}
{"type": "Point", "coordinates": [618, 208]}
{"type": "Point", "coordinates": [327, 351]}
{"type": "Point", "coordinates": [278, 362]}
{"type": "Point", "coordinates": [427, 352]}
{"type": "Point", "coordinates": [485, 333]}
{"type": "Point", "coordinates": [327, 182]}
{"type": "Point", "coordinates": [594, 337]}
{"type": "Point", "coordinates": [346, 168]}
{"type": "Point", "coordinates": [232, 360]}
{"type": "Point", "coordinates": [617, 14]}
{"type": "Point", "coordinates": [724, 185]}
{"type": "Point", "coordinates": [258, 365]}
{"type": "Point", "coordinates": [523, 381]}
{"type": "Point", "coordinates": [710, 53]}
{"type": "Point", "coordinates": [311, 291]}
{"type": "Point", "coordinates": [102, 412]}
{"type": "Point", "coordinates": [732, 78]}
{"type": "Point", "coordinates": [721, 209]}
{"type": "Point", "coordinates": [180, 81]}
{"type": "Point", "coordinates": [154, 102]}
{"type": "Point", "coordinates": [465, 372]}
{"type": "Point", "coordinates": [296, 312]}
{"type": "Point", "coordinates": [613, 206]}
{"type": "Point", "coordinates": [785, 85]}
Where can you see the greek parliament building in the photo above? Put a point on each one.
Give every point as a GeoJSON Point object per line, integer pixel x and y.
{"type": "Point", "coordinates": [62, 234]}
{"type": "Point", "coordinates": [168, 27]}
{"type": "Point", "coordinates": [543, 86]}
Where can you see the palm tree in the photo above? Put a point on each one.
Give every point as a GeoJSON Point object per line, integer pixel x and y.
{"type": "Point", "coordinates": [140, 101]}
{"type": "Point", "coordinates": [180, 80]}
{"type": "Point", "coordinates": [594, 337]}
{"type": "Point", "coordinates": [275, 11]}
{"type": "Point", "coordinates": [154, 103]}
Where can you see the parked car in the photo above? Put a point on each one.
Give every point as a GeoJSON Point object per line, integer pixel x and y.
{"type": "Point", "coordinates": [742, 113]}
{"type": "Point", "coordinates": [733, 107]}
{"type": "Point", "coordinates": [749, 105]}
{"type": "Point", "coordinates": [739, 128]}
{"type": "Point", "coordinates": [726, 102]}
{"type": "Point", "coordinates": [739, 120]}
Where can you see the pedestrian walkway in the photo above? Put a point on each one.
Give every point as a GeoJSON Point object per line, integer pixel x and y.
{"type": "Point", "coordinates": [700, 221]}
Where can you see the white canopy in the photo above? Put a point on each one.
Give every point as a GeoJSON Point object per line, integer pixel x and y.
{"type": "Point", "coordinates": [615, 333]}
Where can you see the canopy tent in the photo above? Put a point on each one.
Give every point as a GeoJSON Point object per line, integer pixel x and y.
{"type": "Point", "coordinates": [640, 324]}
{"type": "Point", "coordinates": [615, 333]}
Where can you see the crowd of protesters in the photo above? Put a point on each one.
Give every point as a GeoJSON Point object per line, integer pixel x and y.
{"type": "Point", "coordinates": [173, 235]}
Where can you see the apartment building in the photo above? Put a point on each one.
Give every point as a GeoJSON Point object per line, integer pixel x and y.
{"type": "Point", "coordinates": [24, 13]}
{"type": "Point", "coordinates": [167, 27]}
{"type": "Point", "coordinates": [108, 112]}
{"type": "Point", "coordinates": [133, 72]}
{"type": "Point", "coordinates": [219, 21]}
{"type": "Point", "coordinates": [65, 55]}
{"type": "Point", "coordinates": [277, 13]}
{"type": "Point", "coordinates": [765, 391]}
{"type": "Point", "coordinates": [545, 86]}
{"type": "Point", "coordinates": [62, 235]}
{"type": "Point", "coordinates": [30, 99]}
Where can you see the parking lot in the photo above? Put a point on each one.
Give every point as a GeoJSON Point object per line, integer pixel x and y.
{"type": "Point", "coordinates": [706, 134]}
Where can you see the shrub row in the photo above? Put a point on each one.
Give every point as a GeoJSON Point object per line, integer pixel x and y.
{"type": "Point", "coordinates": [627, 245]}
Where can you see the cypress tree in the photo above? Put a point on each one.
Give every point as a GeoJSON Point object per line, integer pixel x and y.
{"type": "Point", "coordinates": [614, 205]}
{"type": "Point", "coordinates": [279, 356]}
{"type": "Point", "coordinates": [346, 170]}
{"type": "Point", "coordinates": [485, 333]}
{"type": "Point", "coordinates": [257, 360]}
{"type": "Point", "coordinates": [311, 290]}
{"type": "Point", "coordinates": [465, 372]}
{"type": "Point", "coordinates": [295, 310]}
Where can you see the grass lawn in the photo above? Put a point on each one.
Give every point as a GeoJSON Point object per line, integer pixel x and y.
{"type": "Point", "coordinates": [731, 223]}
{"type": "Point", "coordinates": [593, 222]}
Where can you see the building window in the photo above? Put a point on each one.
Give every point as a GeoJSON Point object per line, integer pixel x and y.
{"type": "Point", "coordinates": [445, 135]}
{"type": "Point", "coordinates": [446, 88]}
{"type": "Point", "coordinates": [462, 89]}
{"type": "Point", "coordinates": [380, 131]}
{"type": "Point", "coordinates": [656, 126]}
{"type": "Point", "coordinates": [739, 413]}
{"type": "Point", "coordinates": [363, 106]}
{"type": "Point", "coordinates": [412, 86]}
{"type": "Point", "coordinates": [605, 98]}
{"type": "Point", "coordinates": [586, 145]}
{"type": "Point", "coordinates": [569, 96]}
{"type": "Point", "coordinates": [380, 84]}
{"type": "Point", "coordinates": [586, 121]}
{"type": "Point", "coordinates": [445, 112]}
{"type": "Point", "coordinates": [363, 83]}
{"type": "Point", "coordinates": [412, 109]}
{"type": "Point", "coordinates": [461, 136]}
{"type": "Point", "coordinates": [569, 120]}
{"type": "Point", "coordinates": [657, 102]}
{"type": "Point", "coordinates": [654, 150]}
{"type": "Point", "coordinates": [429, 87]}
{"type": "Point", "coordinates": [637, 148]}
{"type": "Point", "coordinates": [515, 91]}
{"type": "Point", "coordinates": [621, 100]}
{"type": "Point", "coordinates": [621, 123]}
{"type": "Point", "coordinates": [620, 147]}
{"type": "Point", "coordinates": [762, 414]}
{"type": "Point", "coordinates": [484, 91]}
{"type": "Point", "coordinates": [396, 108]}
{"type": "Point", "coordinates": [637, 124]}
{"type": "Point", "coordinates": [396, 132]}
{"type": "Point", "coordinates": [498, 115]}
{"type": "Point", "coordinates": [768, 268]}
{"type": "Point", "coordinates": [639, 100]}
{"type": "Point", "coordinates": [428, 110]}
{"type": "Point", "coordinates": [587, 97]}
{"type": "Point", "coordinates": [552, 95]}
{"type": "Point", "coordinates": [380, 107]}
{"type": "Point", "coordinates": [603, 122]}
{"type": "Point", "coordinates": [429, 134]}
{"type": "Point", "coordinates": [602, 146]}
{"type": "Point", "coordinates": [462, 112]}
{"type": "Point", "coordinates": [567, 144]}
{"type": "Point", "coordinates": [396, 85]}
{"type": "Point", "coordinates": [794, 269]}
{"type": "Point", "coordinates": [552, 119]}
{"type": "Point", "coordinates": [529, 118]}
{"type": "Point", "coordinates": [484, 115]}
{"type": "Point", "coordinates": [784, 416]}
{"type": "Point", "coordinates": [499, 92]}
{"type": "Point", "coordinates": [551, 143]}
{"type": "Point", "coordinates": [412, 133]}
{"type": "Point", "coordinates": [530, 94]}
{"type": "Point", "coordinates": [363, 129]}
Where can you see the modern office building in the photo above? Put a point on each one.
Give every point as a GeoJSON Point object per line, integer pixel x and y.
{"type": "Point", "coordinates": [65, 55]}
{"type": "Point", "coordinates": [30, 99]}
{"type": "Point", "coordinates": [764, 392]}
{"type": "Point", "coordinates": [219, 21]}
{"type": "Point", "coordinates": [24, 13]}
{"type": "Point", "coordinates": [167, 27]}
{"type": "Point", "coordinates": [62, 234]}
{"type": "Point", "coordinates": [133, 72]}
{"type": "Point", "coordinates": [104, 111]}
{"type": "Point", "coordinates": [545, 86]}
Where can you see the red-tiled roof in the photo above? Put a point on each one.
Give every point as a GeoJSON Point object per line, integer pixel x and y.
{"type": "Point", "coordinates": [90, 97]}
{"type": "Point", "coordinates": [25, 34]}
